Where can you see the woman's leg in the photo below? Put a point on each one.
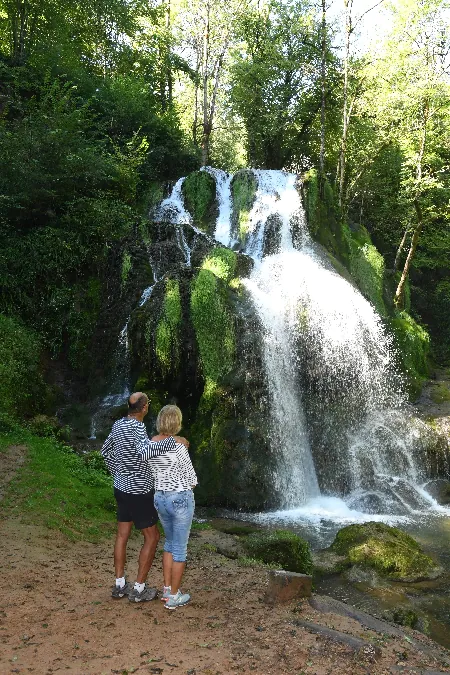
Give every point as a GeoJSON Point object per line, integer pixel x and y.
{"type": "Point", "coordinates": [166, 519]}
{"type": "Point", "coordinates": [167, 568]}
{"type": "Point", "coordinates": [183, 510]}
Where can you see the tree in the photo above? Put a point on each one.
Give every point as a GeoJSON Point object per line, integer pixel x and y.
{"type": "Point", "coordinates": [276, 79]}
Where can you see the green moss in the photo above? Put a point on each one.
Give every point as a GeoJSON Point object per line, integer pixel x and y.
{"type": "Point", "coordinates": [199, 190]}
{"type": "Point", "coordinates": [367, 268]}
{"type": "Point", "coordinates": [282, 548]}
{"type": "Point", "coordinates": [221, 262]}
{"type": "Point", "coordinates": [323, 216]}
{"type": "Point", "coordinates": [125, 269]}
{"type": "Point", "coordinates": [213, 324]}
{"type": "Point", "coordinates": [440, 393]}
{"type": "Point", "coordinates": [414, 345]}
{"type": "Point", "coordinates": [168, 329]}
{"type": "Point", "coordinates": [243, 190]}
{"type": "Point", "coordinates": [237, 530]}
{"type": "Point", "coordinates": [388, 550]}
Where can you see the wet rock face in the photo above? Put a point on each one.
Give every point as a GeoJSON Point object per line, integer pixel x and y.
{"type": "Point", "coordinates": [439, 489]}
{"type": "Point", "coordinates": [177, 357]}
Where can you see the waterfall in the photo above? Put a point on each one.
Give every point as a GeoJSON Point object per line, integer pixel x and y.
{"type": "Point", "coordinates": [223, 192]}
{"type": "Point", "coordinates": [120, 385]}
{"type": "Point", "coordinates": [339, 415]}
{"type": "Point", "coordinates": [171, 210]}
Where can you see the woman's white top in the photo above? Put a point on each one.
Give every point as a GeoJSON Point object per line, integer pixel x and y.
{"type": "Point", "coordinates": [173, 471]}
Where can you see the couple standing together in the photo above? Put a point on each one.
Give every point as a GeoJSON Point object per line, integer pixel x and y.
{"type": "Point", "coordinates": [152, 478]}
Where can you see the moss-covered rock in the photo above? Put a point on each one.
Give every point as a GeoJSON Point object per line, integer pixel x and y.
{"type": "Point", "coordinates": [243, 191]}
{"type": "Point", "coordinates": [367, 268]}
{"type": "Point", "coordinates": [414, 345]}
{"type": "Point", "coordinates": [169, 328]}
{"type": "Point", "coordinates": [439, 489]}
{"type": "Point", "coordinates": [386, 549]}
{"type": "Point", "coordinates": [282, 548]}
{"type": "Point", "coordinates": [211, 316]}
{"type": "Point", "coordinates": [199, 190]}
{"type": "Point", "coordinates": [323, 217]}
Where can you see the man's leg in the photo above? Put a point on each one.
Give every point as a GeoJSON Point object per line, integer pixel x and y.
{"type": "Point", "coordinates": [151, 539]}
{"type": "Point", "coordinates": [120, 547]}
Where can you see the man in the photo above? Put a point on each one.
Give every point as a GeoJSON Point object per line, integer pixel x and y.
{"type": "Point", "coordinates": [126, 452]}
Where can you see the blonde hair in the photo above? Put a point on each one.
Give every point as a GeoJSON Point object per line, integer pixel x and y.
{"type": "Point", "coordinates": [169, 420]}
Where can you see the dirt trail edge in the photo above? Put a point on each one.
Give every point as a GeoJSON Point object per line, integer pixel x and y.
{"type": "Point", "coordinates": [57, 615]}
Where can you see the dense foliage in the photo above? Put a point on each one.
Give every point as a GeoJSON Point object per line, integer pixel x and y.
{"type": "Point", "coordinates": [102, 103]}
{"type": "Point", "coordinates": [84, 137]}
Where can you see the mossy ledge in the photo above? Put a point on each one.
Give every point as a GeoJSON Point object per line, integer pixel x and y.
{"type": "Point", "coordinates": [243, 190]}
{"type": "Point", "coordinates": [199, 190]}
{"type": "Point", "coordinates": [391, 552]}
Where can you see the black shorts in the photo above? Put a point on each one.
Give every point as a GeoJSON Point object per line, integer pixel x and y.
{"type": "Point", "coordinates": [139, 509]}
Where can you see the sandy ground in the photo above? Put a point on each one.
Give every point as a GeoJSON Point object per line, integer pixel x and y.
{"type": "Point", "coordinates": [57, 615]}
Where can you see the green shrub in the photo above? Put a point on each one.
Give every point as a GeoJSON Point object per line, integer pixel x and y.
{"type": "Point", "coordinates": [282, 548]}
{"type": "Point", "coordinates": [22, 388]}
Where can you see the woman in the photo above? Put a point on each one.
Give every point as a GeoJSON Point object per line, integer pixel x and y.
{"type": "Point", "coordinates": [174, 500]}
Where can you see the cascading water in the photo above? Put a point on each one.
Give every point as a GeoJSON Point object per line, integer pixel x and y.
{"type": "Point", "coordinates": [171, 210]}
{"type": "Point", "coordinates": [337, 401]}
{"type": "Point", "coordinates": [223, 191]}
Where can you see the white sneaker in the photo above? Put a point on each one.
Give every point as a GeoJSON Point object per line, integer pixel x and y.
{"type": "Point", "coordinates": [177, 600]}
{"type": "Point", "coordinates": [166, 593]}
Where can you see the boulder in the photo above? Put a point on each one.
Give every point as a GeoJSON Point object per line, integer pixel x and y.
{"type": "Point", "coordinates": [285, 586]}
{"type": "Point", "coordinates": [388, 550]}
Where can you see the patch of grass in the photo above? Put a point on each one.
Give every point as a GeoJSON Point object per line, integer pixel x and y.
{"type": "Point", "coordinates": [201, 526]}
{"type": "Point", "coordinates": [60, 489]}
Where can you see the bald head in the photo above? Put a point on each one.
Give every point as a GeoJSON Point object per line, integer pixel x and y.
{"type": "Point", "coordinates": [137, 402]}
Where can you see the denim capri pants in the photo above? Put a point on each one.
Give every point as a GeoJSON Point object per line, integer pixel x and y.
{"type": "Point", "coordinates": [175, 510]}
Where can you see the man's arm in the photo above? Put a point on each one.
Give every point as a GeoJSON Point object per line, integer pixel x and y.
{"type": "Point", "coordinates": [109, 455]}
{"type": "Point", "coordinates": [148, 449]}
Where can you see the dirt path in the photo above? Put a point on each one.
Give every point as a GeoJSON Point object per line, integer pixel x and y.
{"type": "Point", "coordinates": [56, 615]}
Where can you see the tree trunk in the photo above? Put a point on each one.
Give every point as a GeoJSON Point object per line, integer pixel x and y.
{"type": "Point", "coordinates": [342, 155]}
{"type": "Point", "coordinates": [400, 249]}
{"type": "Point", "coordinates": [195, 123]}
{"type": "Point", "coordinates": [398, 299]}
{"type": "Point", "coordinates": [322, 112]}
{"type": "Point", "coordinates": [206, 129]}
{"type": "Point", "coordinates": [168, 62]}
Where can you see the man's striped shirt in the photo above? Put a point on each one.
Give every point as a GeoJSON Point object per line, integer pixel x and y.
{"type": "Point", "coordinates": [126, 452]}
